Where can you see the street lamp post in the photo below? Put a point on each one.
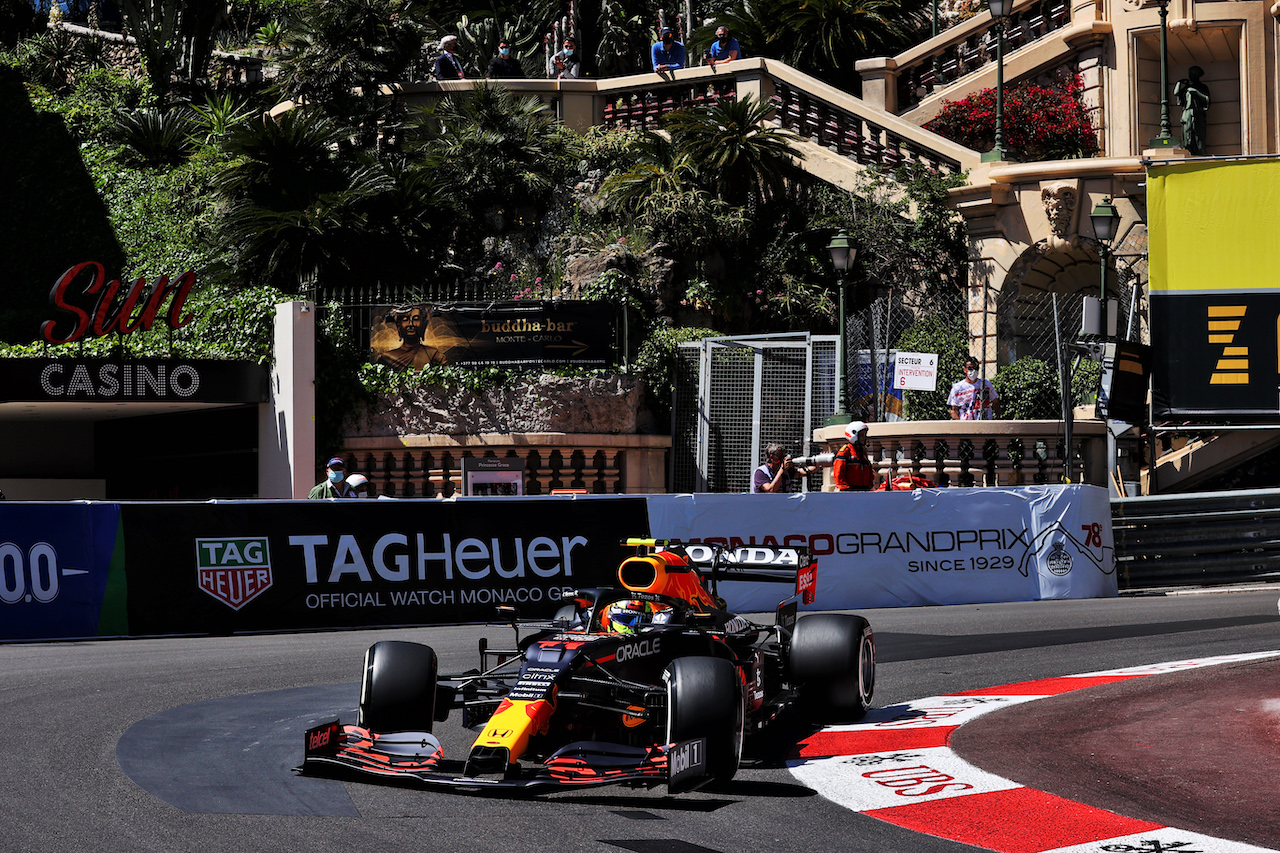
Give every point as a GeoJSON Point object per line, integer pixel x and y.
{"type": "Point", "coordinates": [1165, 139]}
{"type": "Point", "coordinates": [843, 253]}
{"type": "Point", "coordinates": [1105, 218]}
{"type": "Point", "coordinates": [1000, 10]}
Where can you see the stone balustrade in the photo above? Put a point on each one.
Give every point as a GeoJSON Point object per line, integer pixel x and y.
{"type": "Point", "coordinates": [430, 466]}
{"type": "Point", "coordinates": [978, 453]}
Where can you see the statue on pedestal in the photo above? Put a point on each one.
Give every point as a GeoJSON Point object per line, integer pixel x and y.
{"type": "Point", "coordinates": [1193, 96]}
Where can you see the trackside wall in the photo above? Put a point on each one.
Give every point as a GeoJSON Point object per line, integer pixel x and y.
{"type": "Point", "coordinates": [85, 569]}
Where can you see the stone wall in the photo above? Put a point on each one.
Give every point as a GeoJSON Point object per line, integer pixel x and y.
{"type": "Point", "coordinates": [598, 405]}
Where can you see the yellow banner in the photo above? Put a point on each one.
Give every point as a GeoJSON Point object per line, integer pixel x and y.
{"type": "Point", "coordinates": [1212, 226]}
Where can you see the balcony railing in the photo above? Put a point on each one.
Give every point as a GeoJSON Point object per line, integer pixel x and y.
{"type": "Point", "coordinates": [980, 453]}
{"type": "Point", "coordinates": [971, 45]}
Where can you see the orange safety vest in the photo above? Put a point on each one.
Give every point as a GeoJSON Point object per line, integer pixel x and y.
{"type": "Point", "coordinates": [852, 470]}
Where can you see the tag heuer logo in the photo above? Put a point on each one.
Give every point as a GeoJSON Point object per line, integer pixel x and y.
{"type": "Point", "coordinates": [234, 571]}
{"type": "Point", "coordinates": [1059, 561]}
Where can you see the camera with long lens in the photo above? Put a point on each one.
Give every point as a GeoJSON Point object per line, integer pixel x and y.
{"type": "Point", "coordinates": [821, 460]}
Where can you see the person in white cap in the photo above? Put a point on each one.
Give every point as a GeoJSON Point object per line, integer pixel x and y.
{"type": "Point", "coordinates": [851, 470]}
{"type": "Point", "coordinates": [359, 484]}
{"type": "Point", "coordinates": [448, 66]}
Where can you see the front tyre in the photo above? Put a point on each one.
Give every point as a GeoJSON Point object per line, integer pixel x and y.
{"type": "Point", "coordinates": [704, 700]}
{"type": "Point", "coordinates": [833, 662]}
{"type": "Point", "coordinates": [398, 689]}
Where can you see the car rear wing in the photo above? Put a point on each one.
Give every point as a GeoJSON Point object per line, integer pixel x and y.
{"type": "Point", "coordinates": [791, 564]}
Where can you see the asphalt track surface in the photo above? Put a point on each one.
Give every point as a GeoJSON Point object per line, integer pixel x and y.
{"type": "Point", "coordinates": [187, 743]}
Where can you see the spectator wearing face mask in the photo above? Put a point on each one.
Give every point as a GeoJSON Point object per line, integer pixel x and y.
{"type": "Point", "coordinates": [667, 53]}
{"type": "Point", "coordinates": [334, 485]}
{"type": "Point", "coordinates": [504, 65]}
{"type": "Point", "coordinates": [566, 64]}
{"type": "Point", "coordinates": [973, 398]}
{"type": "Point", "coordinates": [723, 49]}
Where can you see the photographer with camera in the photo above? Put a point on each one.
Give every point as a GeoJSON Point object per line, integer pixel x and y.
{"type": "Point", "coordinates": [778, 472]}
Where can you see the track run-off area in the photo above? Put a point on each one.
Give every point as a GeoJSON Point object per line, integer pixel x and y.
{"type": "Point", "coordinates": [1075, 725]}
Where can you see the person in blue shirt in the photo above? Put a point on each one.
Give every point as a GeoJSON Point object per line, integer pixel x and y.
{"type": "Point", "coordinates": [723, 49]}
{"type": "Point", "coordinates": [667, 53]}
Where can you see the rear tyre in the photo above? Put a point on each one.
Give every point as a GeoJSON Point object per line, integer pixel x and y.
{"type": "Point", "coordinates": [704, 700]}
{"type": "Point", "coordinates": [398, 690]}
{"type": "Point", "coordinates": [833, 661]}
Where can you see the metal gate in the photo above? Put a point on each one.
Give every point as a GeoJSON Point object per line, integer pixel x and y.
{"type": "Point", "coordinates": [734, 396]}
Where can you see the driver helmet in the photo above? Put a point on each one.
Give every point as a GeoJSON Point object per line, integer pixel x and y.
{"type": "Point", "coordinates": [630, 616]}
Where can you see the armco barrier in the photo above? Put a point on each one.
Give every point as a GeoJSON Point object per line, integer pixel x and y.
{"type": "Point", "coordinates": [1200, 539]}
{"type": "Point", "coordinates": [100, 569]}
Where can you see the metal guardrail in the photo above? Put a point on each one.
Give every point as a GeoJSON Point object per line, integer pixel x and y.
{"type": "Point", "coordinates": [1198, 539]}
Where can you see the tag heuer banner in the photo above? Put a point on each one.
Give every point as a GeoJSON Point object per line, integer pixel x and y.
{"type": "Point", "coordinates": [525, 333]}
{"type": "Point", "coordinates": [1215, 289]}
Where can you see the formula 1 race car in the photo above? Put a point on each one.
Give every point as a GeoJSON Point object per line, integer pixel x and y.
{"type": "Point", "coordinates": [646, 684]}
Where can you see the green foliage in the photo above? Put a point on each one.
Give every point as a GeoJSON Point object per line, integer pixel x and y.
{"type": "Point", "coordinates": [230, 323]}
{"type": "Point", "coordinates": [339, 391]}
{"type": "Point", "coordinates": [478, 42]}
{"type": "Point", "coordinates": [1029, 388]}
{"type": "Point", "coordinates": [946, 335]}
{"type": "Point", "coordinates": [739, 157]}
{"type": "Point", "coordinates": [50, 59]}
{"type": "Point", "coordinates": [175, 38]}
{"type": "Point", "coordinates": [906, 235]}
{"type": "Point", "coordinates": [220, 114]}
{"type": "Point", "coordinates": [164, 219]}
{"type": "Point", "coordinates": [824, 38]}
{"type": "Point", "coordinates": [154, 137]}
{"type": "Point", "coordinates": [610, 149]}
{"type": "Point", "coordinates": [99, 97]}
{"type": "Point", "coordinates": [338, 52]}
{"type": "Point", "coordinates": [656, 363]}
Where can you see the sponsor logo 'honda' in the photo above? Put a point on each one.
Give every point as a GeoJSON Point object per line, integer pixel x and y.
{"type": "Point", "coordinates": [235, 571]}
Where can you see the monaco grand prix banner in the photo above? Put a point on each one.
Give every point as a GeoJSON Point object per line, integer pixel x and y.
{"type": "Point", "coordinates": [929, 546]}
{"type": "Point", "coordinates": [100, 569]}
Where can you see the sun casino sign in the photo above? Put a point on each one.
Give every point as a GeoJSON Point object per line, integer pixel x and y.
{"type": "Point", "coordinates": [93, 306]}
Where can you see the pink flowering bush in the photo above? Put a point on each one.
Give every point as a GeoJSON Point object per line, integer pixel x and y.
{"type": "Point", "coordinates": [1040, 122]}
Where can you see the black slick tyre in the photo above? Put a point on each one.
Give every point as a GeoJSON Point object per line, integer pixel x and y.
{"type": "Point", "coordinates": [398, 689]}
{"type": "Point", "coordinates": [833, 662]}
{"type": "Point", "coordinates": [704, 700]}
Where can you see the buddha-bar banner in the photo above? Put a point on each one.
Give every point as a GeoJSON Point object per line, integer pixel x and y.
{"type": "Point", "coordinates": [532, 333]}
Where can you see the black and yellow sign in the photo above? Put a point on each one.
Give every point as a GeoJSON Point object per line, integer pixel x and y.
{"type": "Point", "coordinates": [1215, 289]}
{"type": "Point", "coordinates": [533, 333]}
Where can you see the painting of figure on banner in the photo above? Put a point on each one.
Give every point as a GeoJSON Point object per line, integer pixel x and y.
{"type": "Point", "coordinates": [411, 336]}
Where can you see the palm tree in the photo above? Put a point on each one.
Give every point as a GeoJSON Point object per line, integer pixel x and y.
{"type": "Point", "coordinates": [659, 171]}
{"type": "Point", "coordinates": [741, 159]}
{"type": "Point", "coordinates": [340, 51]}
{"type": "Point", "coordinates": [833, 34]}
{"type": "Point", "coordinates": [503, 151]}
{"type": "Point", "coordinates": [299, 216]}
{"type": "Point", "coordinates": [825, 37]}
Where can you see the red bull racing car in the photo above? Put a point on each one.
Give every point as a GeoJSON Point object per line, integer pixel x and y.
{"type": "Point", "coordinates": [648, 683]}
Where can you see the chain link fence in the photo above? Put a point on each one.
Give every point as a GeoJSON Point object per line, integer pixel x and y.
{"type": "Point", "coordinates": [1025, 314]}
{"type": "Point", "coordinates": [735, 396]}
